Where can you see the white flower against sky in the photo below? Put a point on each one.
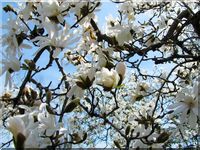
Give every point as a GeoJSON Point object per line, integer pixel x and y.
{"type": "Point", "coordinates": [127, 9]}
{"type": "Point", "coordinates": [187, 106]}
{"type": "Point", "coordinates": [122, 33]}
{"type": "Point", "coordinates": [47, 121]}
{"type": "Point", "coordinates": [26, 9]}
{"type": "Point", "coordinates": [9, 64]}
{"type": "Point", "coordinates": [75, 91]}
{"type": "Point", "coordinates": [60, 39]}
{"type": "Point", "coordinates": [107, 78]}
{"type": "Point", "coordinates": [81, 7]}
{"type": "Point", "coordinates": [140, 91]}
{"type": "Point", "coordinates": [121, 69]}
{"type": "Point", "coordinates": [53, 10]}
{"type": "Point", "coordinates": [17, 127]}
{"type": "Point", "coordinates": [85, 76]}
{"type": "Point", "coordinates": [10, 41]}
{"type": "Point", "coordinates": [162, 22]}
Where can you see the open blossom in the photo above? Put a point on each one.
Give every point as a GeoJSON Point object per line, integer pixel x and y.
{"type": "Point", "coordinates": [53, 10]}
{"type": "Point", "coordinates": [25, 131]}
{"type": "Point", "coordinates": [187, 105]}
{"type": "Point", "coordinates": [47, 121]}
{"type": "Point", "coordinates": [26, 10]}
{"type": "Point", "coordinates": [122, 33]}
{"type": "Point", "coordinates": [10, 64]}
{"type": "Point", "coordinates": [140, 91]}
{"type": "Point", "coordinates": [85, 77]}
{"type": "Point", "coordinates": [126, 8]}
{"type": "Point", "coordinates": [75, 91]}
{"type": "Point", "coordinates": [14, 31]}
{"type": "Point", "coordinates": [17, 127]}
{"type": "Point", "coordinates": [57, 38]}
{"type": "Point", "coordinates": [107, 79]}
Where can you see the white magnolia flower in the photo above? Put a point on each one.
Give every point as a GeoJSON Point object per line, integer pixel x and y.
{"type": "Point", "coordinates": [75, 91]}
{"type": "Point", "coordinates": [53, 10]}
{"type": "Point", "coordinates": [122, 33]}
{"type": "Point", "coordinates": [140, 91]}
{"type": "Point", "coordinates": [16, 126]}
{"type": "Point", "coordinates": [127, 9]}
{"type": "Point", "coordinates": [121, 69]}
{"type": "Point", "coordinates": [85, 75]}
{"type": "Point", "coordinates": [57, 38]}
{"type": "Point", "coordinates": [187, 105]}
{"type": "Point", "coordinates": [107, 79]}
{"type": "Point", "coordinates": [14, 29]}
{"type": "Point", "coordinates": [26, 9]}
{"type": "Point", "coordinates": [80, 7]}
{"type": "Point", "coordinates": [9, 64]}
{"type": "Point", "coordinates": [47, 121]}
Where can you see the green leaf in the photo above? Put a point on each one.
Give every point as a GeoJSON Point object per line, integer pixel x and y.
{"type": "Point", "coordinates": [25, 67]}
{"type": "Point", "coordinates": [120, 86]}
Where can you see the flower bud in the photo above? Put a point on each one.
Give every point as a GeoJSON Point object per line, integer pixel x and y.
{"type": "Point", "coordinates": [107, 78]}
{"type": "Point", "coordinates": [121, 69]}
{"type": "Point", "coordinates": [48, 96]}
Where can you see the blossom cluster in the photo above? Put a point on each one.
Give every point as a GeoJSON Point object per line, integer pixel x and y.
{"type": "Point", "coordinates": [119, 93]}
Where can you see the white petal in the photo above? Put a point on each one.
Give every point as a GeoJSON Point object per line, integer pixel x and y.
{"type": "Point", "coordinates": [2, 70]}
{"type": "Point", "coordinates": [56, 52]}
{"type": "Point", "coordinates": [172, 106]}
{"type": "Point", "coordinates": [26, 46]}
{"type": "Point", "coordinates": [15, 64]}
{"type": "Point", "coordinates": [8, 78]}
{"type": "Point", "coordinates": [60, 18]}
{"type": "Point", "coordinates": [181, 108]}
{"type": "Point", "coordinates": [192, 120]}
{"type": "Point", "coordinates": [196, 110]}
{"type": "Point", "coordinates": [15, 41]}
{"type": "Point", "coordinates": [183, 117]}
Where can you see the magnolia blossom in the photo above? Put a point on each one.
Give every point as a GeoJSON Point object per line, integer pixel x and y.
{"type": "Point", "coordinates": [75, 91]}
{"type": "Point", "coordinates": [14, 30]}
{"type": "Point", "coordinates": [47, 121]}
{"type": "Point", "coordinates": [121, 69]}
{"type": "Point", "coordinates": [85, 77]}
{"type": "Point", "coordinates": [81, 7]}
{"type": "Point", "coordinates": [10, 64]}
{"type": "Point", "coordinates": [127, 9]}
{"type": "Point", "coordinates": [187, 105]}
{"type": "Point", "coordinates": [140, 91]}
{"type": "Point", "coordinates": [26, 130]}
{"type": "Point", "coordinates": [122, 33]}
{"type": "Point", "coordinates": [16, 126]}
{"type": "Point", "coordinates": [26, 9]}
{"type": "Point", "coordinates": [57, 38]}
{"type": "Point", "coordinates": [107, 79]}
{"type": "Point", "coordinates": [53, 10]}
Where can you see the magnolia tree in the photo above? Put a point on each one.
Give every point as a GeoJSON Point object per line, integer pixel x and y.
{"type": "Point", "coordinates": [136, 78]}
